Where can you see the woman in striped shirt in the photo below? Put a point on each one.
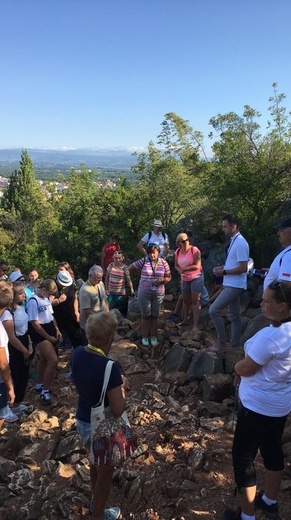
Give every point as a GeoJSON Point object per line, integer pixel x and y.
{"type": "Point", "coordinates": [116, 274]}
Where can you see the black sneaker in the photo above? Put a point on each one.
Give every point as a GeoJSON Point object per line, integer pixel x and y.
{"type": "Point", "coordinates": [271, 511]}
{"type": "Point", "coordinates": [46, 398]}
{"type": "Point", "coordinates": [230, 514]}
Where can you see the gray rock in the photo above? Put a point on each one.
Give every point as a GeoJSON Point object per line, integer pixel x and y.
{"type": "Point", "coordinates": [177, 359]}
{"type": "Point", "coordinates": [203, 363]}
{"type": "Point", "coordinates": [70, 443]}
{"type": "Point", "coordinates": [216, 387]}
{"type": "Point", "coordinates": [256, 324]}
{"type": "Point", "coordinates": [211, 409]}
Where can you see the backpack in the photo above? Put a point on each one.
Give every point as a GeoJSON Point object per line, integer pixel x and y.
{"type": "Point", "coordinates": [150, 234]}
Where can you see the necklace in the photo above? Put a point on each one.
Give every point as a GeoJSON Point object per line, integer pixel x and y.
{"type": "Point", "coordinates": [96, 349]}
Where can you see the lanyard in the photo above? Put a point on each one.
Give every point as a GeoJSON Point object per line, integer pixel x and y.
{"type": "Point", "coordinates": [154, 270]}
{"type": "Point", "coordinates": [230, 245]}
{"type": "Point", "coordinates": [96, 349]}
{"type": "Point", "coordinates": [97, 290]}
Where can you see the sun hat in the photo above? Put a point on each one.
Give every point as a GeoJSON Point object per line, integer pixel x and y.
{"type": "Point", "coordinates": [15, 275]}
{"type": "Point", "coordinates": [158, 223]}
{"type": "Point", "coordinates": [64, 278]}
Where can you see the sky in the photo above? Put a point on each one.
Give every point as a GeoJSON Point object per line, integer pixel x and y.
{"type": "Point", "coordinates": [103, 73]}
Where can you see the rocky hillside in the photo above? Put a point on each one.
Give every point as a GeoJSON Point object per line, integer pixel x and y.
{"type": "Point", "coordinates": [181, 408]}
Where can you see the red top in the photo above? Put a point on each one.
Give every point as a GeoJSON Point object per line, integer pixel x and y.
{"type": "Point", "coordinates": [109, 250]}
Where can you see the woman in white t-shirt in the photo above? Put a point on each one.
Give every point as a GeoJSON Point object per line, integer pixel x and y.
{"type": "Point", "coordinates": [264, 379]}
{"type": "Point", "coordinates": [45, 335]}
{"type": "Point", "coordinates": [15, 321]}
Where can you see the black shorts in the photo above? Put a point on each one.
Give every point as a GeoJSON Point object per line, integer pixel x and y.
{"type": "Point", "coordinates": [36, 338]}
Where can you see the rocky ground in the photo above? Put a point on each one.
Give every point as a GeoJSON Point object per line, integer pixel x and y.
{"type": "Point", "coordinates": [183, 418]}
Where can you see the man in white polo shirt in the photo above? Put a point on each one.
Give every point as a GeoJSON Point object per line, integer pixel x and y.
{"type": "Point", "coordinates": [157, 236]}
{"type": "Point", "coordinates": [234, 273]}
{"type": "Point", "coordinates": [280, 268]}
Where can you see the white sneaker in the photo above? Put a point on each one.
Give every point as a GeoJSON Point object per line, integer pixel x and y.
{"type": "Point", "coordinates": [20, 408]}
{"type": "Point", "coordinates": [11, 417]}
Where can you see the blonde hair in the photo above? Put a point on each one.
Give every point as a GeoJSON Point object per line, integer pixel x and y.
{"type": "Point", "coordinates": [6, 294]}
{"type": "Point", "coordinates": [181, 236]}
{"type": "Point", "coordinates": [49, 285]}
{"type": "Point", "coordinates": [100, 327]}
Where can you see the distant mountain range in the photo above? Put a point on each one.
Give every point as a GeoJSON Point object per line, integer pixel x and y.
{"type": "Point", "coordinates": [116, 158]}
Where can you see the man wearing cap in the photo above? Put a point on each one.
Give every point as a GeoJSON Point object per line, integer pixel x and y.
{"type": "Point", "coordinates": [280, 268]}
{"type": "Point", "coordinates": [156, 236]}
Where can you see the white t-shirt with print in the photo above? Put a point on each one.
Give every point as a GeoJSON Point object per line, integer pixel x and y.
{"type": "Point", "coordinates": [268, 391]}
{"type": "Point", "coordinates": [156, 239]}
{"type": "Point", "coordinates": [40, 309]}
{"type": "Point", "coordinates": [3, 344]}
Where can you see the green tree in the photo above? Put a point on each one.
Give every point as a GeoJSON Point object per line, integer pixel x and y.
{"type": "Point", "coordinates": [251, 169]}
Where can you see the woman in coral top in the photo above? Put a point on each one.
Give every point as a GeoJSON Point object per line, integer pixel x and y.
{"type": "Point", "coordinates": [188, 265]}
{"type": "Point", "coordinates": [108, 251]}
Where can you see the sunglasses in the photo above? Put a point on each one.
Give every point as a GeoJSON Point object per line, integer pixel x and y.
{"type": "Point", "coordinates": [184, 241]}
{"type": "Point", "coordinates": [154, 246]}
{"type": "Point", "coordinates": [276, 285]}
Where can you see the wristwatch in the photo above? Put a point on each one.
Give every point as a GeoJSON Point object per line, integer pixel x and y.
{"type": "Point", "coordinates": [224, 272]}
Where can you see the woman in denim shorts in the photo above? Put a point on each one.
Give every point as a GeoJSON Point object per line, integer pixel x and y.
{"type": "Point", "coordinates": [155, 273]}
{"type": "Point", "coordinates": [188, 265]}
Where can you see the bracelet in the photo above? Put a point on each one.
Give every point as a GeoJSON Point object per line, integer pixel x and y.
{"type": "Point", "coordinates": [224, 272]}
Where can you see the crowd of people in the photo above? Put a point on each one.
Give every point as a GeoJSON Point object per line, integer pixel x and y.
{"type": "Point", "coordinates": [37, 315]}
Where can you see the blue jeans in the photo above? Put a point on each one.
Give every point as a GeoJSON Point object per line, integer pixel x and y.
{"type": "Point", "coordinates": [230, 298]}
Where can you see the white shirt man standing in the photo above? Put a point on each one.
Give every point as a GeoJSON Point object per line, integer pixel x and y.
{"type": "Point", "coordinates": [280, 268]}
{"type": "Point", "coordinates": [234, 273]}
{"type": "Point", "coordinates": [156, 236]}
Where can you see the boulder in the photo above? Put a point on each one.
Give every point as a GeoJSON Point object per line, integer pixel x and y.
{"type": "Point", "coordinates": [177, 359]}
{"type": "Point", "coordinates": [204, 363]}
{"type": "Point", "coordinates": [216, 387]}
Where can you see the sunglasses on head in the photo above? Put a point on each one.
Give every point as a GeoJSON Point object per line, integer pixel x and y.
{"type": "Point", "coordinates": [277, 285]}
{"type": "Point", "coordinates": [154, 246]}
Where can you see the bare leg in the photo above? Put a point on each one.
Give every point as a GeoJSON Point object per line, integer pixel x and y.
{"type": "Point", "coordinates": [47, 364]}
{"type": "Point", "coordinates": [144, 325]}
{"type": "Point", "coordinates": [179, 305]}
{"type": "Point", "coordinates": [186, 308]}
{"type": "Point", "coordinates": [247, 500]}
{"type": "Point", "coordinates": [196, 308]}
{"type": "Point", "coordinates": [2, 421]}
{"type": "Point", "coordinates": [154, 326]}
{"type": "Point", "coordinates": [272, 483]}
{"type": "Point", "coordinates": [101, 480]}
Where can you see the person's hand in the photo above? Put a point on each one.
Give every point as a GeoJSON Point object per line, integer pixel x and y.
{"type": "Point", "coordinates": [10, 395]}
{"type": "Point", "coordinates": [180, 271]}
{"type": "Point", "coordinates": [132, 293]}
{"type": "Point", "coordinates": [26, 354]}
{"type": "Point", "coordinates": [52, 339]}
{"type": "Point", "coordinates": [218, 271]}
{"type": "Point", "coordinates": [59, 334]}
{"type": "Point", "coordinates": [77, 316]}
{"type": "Point", "coordinates": [62, 298]}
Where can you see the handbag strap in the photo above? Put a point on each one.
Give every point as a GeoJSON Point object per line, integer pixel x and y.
{"type": "Point", "coordinates": [107, 374]}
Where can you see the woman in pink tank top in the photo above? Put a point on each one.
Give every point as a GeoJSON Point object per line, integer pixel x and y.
{"type": "Point", "coordinates": [188, 265]}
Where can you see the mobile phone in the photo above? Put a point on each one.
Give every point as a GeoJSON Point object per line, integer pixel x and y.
{"type": "Point", "coordinates": [260, 272]}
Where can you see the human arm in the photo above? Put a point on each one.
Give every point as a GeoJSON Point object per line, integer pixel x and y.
{"type": "Point", "coordinates": [76, 308]}
{"type": "Point", "coordinates": [15, 342]}
{"type": "Point", "coordinates": [117, 400]}
{"type": "Point", "coordinates": [246, 367]}
{"type": "Point", "coordinates": [141, 247]}
{"type": "Point", "coordinates": [195, 265]}
{"type": "Point", "coordinates": [166, 249]}
{"type": "Point", "coordinates": [129, 282]}
{"type": "Point", "coordinates": [56, 301]}
{"type": "Point", "coordinates": [241, 268]}
{"type": "Point", "coordinates": [6, 376]}
{"type": "Point", "coordinates": [107, 280]}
